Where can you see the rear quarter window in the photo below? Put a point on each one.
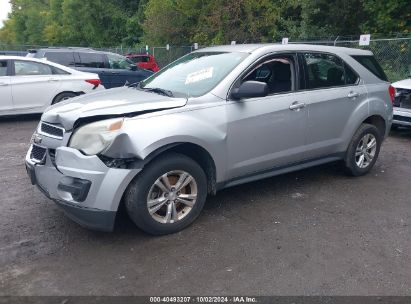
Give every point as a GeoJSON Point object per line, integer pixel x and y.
{"type": "Point", "coordinates": [371, 65]}
{"type": "Point", "coordinates": [91, 60]}
{"type": "Point", "coordinates": [63, 58]}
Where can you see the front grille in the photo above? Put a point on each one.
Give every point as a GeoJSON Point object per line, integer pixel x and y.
{"type": "Point", "coordinates": [37, 153]}
{"type": "Point", "coordinates": [51, 130]}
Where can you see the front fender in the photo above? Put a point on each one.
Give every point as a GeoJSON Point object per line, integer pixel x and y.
{"type": "Point", "coordinates": [141, 137]}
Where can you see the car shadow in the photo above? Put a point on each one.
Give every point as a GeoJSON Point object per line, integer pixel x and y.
{"type": "Point", "coordinates": [401, 133]}
{"type": "Point", "coordinates": [20, 118]}
{"type": "Point", "coordinates": [241, 195]}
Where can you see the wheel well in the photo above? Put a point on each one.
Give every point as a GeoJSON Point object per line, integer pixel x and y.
{"type": "Point", "coordinates": [377, 121]}
{"type": "Point", "coordinates": [198, 154]}
{"type": "Point", "coordinates": [71, 92]}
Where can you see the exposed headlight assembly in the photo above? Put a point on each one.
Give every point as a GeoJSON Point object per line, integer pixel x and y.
{"type": "Point", "coordinates": [96, 137]}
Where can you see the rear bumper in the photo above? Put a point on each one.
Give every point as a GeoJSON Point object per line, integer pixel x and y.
{"type": "Point", "coordinates": [402, 117]}
{"type": "Point", "coordinates": [86, 189]}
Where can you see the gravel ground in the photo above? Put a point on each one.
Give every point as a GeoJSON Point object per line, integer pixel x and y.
{"type": "Point", "coordinates": [312, 232]}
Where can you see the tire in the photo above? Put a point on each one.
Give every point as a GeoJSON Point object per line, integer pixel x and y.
{"type": "Point", "coordinates": [356, 149]}
{"type": "Point", "coordinates": [143, 191]}
{"type": "Point", "coordinates": [63, 96]}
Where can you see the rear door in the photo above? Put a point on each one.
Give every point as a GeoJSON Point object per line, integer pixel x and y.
{"type": "Point", "coordinates": [33, 85]}
{"type": "Point", "coordinates": [332, 93]}
{"type": "Point", "coordinates": [95, 63]}
{"type": "Point", "coordinates": [6, 102]}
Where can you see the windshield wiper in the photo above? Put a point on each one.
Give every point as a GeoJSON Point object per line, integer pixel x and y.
{"type": "Point", "coordinates": [158, 91]}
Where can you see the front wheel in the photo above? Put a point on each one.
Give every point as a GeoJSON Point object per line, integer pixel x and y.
{"type": "Point", "coordinates": [168, 195]}
{"type": "Point", "coordinates": [363, 150]}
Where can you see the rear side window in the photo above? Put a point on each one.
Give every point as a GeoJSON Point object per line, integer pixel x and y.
{"type": "Point", "coordinates": [326, 70]}
{"type": "Point", "coordinates": [58, 71]}
{"type": "Point", "coordinates": [63, 58]}
{"type": "Point", "coordinates": [371, 65]}
{"type": "Point", "coordinates": [3, 68]}
{"type": "Point", "coordinates": [91, 60]}
{"type": "Point", "coordinates": [27, 68]}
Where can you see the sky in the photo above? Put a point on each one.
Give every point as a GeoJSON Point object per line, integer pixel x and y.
{"type": "Point", "coordinates": [5, 8]}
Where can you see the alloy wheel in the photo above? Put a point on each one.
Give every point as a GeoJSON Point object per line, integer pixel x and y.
{"type": "Point", "coordinates": [365, 151]}
{"type": "Point", "coordinates": [172, 196]}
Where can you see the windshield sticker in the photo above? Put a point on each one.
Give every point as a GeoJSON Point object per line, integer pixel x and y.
{"type": "Point", "coordinates": [199, 75]}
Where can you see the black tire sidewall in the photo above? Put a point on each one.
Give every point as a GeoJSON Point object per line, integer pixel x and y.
{"type": "Point", "coordinates": [137, 192]}
{"type": "Point", "coordinates": [350, 159]}
{"type": "Point", "coordinates": [60, 97]}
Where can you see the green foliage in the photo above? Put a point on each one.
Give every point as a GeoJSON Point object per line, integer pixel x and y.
{"type": "Point", "coordinates": [102, 23]}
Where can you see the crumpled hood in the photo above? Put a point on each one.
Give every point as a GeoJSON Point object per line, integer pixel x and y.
{"type": "Point", "coordinates": [116, 102]}
{"type": "Point", "coordinates": [403, 84]}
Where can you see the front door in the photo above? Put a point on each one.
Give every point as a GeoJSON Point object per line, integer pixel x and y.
{"type": "Point", "coordinates": [268, 132]}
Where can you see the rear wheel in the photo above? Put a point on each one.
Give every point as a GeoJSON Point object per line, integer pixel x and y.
{"type": "Point", "coordinates": [63, 96]}
{"type": "Point", "coordinates": [168, 195]}
{"type": "Point", "coordinates": [363, 150]}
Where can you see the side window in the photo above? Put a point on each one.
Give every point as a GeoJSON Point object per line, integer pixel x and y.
{"type": "Point", "coordinates": [25, 68]}
{"type": "Point", "coordinates": [146, 59]}
{"type": "Point", "coordinates": [276, 72]}
{"type": "Point", "coordinates": [3, 68]}
{"type": "Point", "coordinates": [63, 58]}
{"type": "Point", "coordinates": [117, 62]}
{"type": "Point", "coordinates": [57, 71]}
{"type": "Point", "coordinates": [91, 60]}
{"type": "Point", "coordinates": [324, 70]}
{"type": "Point", "coordinates": [350, 76]}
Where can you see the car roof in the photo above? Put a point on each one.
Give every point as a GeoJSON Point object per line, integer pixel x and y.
{"type": "Point", "coordinates": [250, 48]}
{"type": "Point", "coordinates": [40, 60]}
{"type": "Point", "coordinates": [72, 49]}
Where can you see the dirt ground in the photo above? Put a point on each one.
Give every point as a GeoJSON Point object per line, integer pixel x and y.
{"type": "Point", "coordinates": [312, 232]}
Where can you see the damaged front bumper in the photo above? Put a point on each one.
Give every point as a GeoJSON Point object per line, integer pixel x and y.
{"type": "Point", "coordinates": [86, 189]}
{"type": "Point", "coordinates": [402, 117]}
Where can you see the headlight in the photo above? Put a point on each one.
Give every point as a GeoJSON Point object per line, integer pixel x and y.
{"type": "Point", "coordinates": [96, 137]}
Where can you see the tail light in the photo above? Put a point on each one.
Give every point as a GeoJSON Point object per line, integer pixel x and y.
{"type": "Point", "coordinates": [94, 82]}
{"type": "Point", "coordinates": [391, 91]}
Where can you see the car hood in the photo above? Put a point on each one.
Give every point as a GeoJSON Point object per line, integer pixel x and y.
{"type": "Point", "coordinates": [403, 84]}
{"type": "Point", "coordinates": [116, 102]}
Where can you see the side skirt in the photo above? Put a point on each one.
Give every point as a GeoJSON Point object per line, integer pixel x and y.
{"type": "Point", "coordinates": [279, 170]}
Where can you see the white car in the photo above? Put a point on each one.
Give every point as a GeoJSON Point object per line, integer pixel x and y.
{"type": "Point", "coordinates": [402, 103]}
{"type": "Point", "coordinates": [29, 85]}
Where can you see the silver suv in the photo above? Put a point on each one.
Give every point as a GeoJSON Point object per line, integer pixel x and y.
{"type": "Point", "coordinates": [215, 118]}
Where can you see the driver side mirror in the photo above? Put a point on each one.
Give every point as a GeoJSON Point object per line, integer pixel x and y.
{"type": "Point", "coordinates": [133, 67]}
{"type": "Point", "coordinates": [249, 89]}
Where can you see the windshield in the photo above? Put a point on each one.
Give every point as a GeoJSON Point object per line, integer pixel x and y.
{"type": "Point", "coordinates": [118, 62]}
{"type": "Point", "coordinates": [194, 74]}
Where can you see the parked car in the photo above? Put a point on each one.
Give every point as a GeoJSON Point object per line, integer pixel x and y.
{"type": "Point", "coordinates": [29, 85]}
{"type": "Point", "coordinates": [13, 53]}
{"type": "Point", "coordinates": [402, 103]}
{"type": "Point", "coordinates": [215, 118]}
{"type": "Point", "coordinates": [144, 61]}
{"type": "Point", "coordinates": [114, 70]}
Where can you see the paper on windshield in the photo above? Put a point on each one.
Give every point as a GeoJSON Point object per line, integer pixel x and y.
{"type": "Point", "coordinates": [199, 75]}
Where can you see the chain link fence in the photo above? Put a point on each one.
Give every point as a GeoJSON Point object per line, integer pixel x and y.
{"type": "Point", "coordinates": [394, 54]}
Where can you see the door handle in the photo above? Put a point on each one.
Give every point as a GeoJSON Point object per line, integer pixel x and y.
{"type": "Point", "coordinates": [53, 79]}
{"type": "Point", "coordinates": [296, 106]}
{"type": "Point", "coordinates": [353, 94]}
{"type": "Point", "coordinates": [3, 84]}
